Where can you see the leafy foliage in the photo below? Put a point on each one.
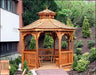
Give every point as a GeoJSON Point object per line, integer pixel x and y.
{"type": "Point", "coordinates": [91, 43]}
{"type": "Point", "coordinates": [69, 22]}
{"type": "Point", "coordinates": [29, 74]}
{"type": "Point", "coordinates": [78, 44]}
{"type": "Point", "coordinates": [12, 70]}
{"type": "Point", "coordinates": [18, 60]}
{"type": "Point", "coordinates": [48, 42]}
{"type": "Point", "coordinates": [25, 66]}
{"type": "Point", "coordinates": [64, 45]}
{"type": "Point", "coordinates": [14, 65]}
{"type": "Point", "coordinates": [82, 65]}
{"type": "Point", "coordinates": [85, 56]}
{"type": "Point", "coordinates": [75, 10]}
{"type": "Point", "coordinates": [78, 51]}
{"type": "Point", "coordinates": [80, 62]}
{"type": "Point", "coordinates": [32, 44]}
{"type": "Point", "coordinates": [32, 7]}
{"type": "Point", "coordinates": [75, 62]}
{"type": "Point", "coordinates": [85, 28]}
{"type": "Point", "coordinates": [92, 55]}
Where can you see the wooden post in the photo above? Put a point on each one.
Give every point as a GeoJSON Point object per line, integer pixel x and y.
{"type": "Point", "coordinates": [68, 42]}
{"type": "Point", "coordinates": [37, 48]}
{"type": "Point", "coordinates": [72, 46]}
{"type": "Point", "coordinates": [59, 38]}
{"type": "Point", "coordinates": [22, 40]}
{"type": "Point", "coordinates": [54, 47]}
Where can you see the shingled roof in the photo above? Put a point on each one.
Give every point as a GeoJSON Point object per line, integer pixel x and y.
{"type": "Point", "coordinates": [46, 21]}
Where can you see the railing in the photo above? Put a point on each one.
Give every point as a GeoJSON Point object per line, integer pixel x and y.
{"type": "Point", "coordinates": [4, 67]}
{"type": "Point", "coordinates": [66, 57]}
{"type": "Point", "coordinates": [30, 57]}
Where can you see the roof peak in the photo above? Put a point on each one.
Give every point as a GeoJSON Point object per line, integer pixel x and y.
{"type": "Point", "coordinates": [46, 14]}
{"type": "Point", "coordinates": [46, 8]}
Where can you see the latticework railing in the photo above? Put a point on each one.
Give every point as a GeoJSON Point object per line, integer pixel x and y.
{"type": "Point", "coordinates": [4, 67]}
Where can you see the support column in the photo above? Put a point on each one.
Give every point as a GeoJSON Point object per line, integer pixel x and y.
{"type": "Point", "coordinates": [37, 48]}
{"type": "Point", "coordinates": [54, 48]}
{"type": "Point", "coordinates": [72, 46]}
{"type": "Point", "coordinates": [22, 47]}
{"type": "Point", "coordinates": [37, 52]}
{"type": "Point", "coordinates": [59, 38]}
{"type": "Point", "coordinates": [68, 42]}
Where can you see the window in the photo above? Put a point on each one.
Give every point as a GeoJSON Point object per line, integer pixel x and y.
{"type": "Point", "coordinates": [9, 5]}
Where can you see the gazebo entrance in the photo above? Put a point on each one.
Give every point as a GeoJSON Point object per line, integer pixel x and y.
{"type": "Point", "coordinates": [47, 24]}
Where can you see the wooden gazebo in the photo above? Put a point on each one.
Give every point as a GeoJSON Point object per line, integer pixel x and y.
{"type": "Point", "coordinates": [47, 24]}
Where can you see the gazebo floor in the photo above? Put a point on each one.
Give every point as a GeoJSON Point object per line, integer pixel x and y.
{"type": "Point", "coordinates": [49, 65]}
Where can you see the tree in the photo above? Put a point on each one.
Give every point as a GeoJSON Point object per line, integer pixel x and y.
{"type": "Point", "coordinates": [25, 66]}
{"type": "Point", "coordinates": [32, 44]}
{"type": "Point", "coordinates": [85, 28]}
{"type": "Point", "coordinates": [32, 7]}
{"type": "Point", "coordinates": [69, 22]}
{"type": "Point", "coordinates": [48, 41]}
{"type": "Point", "coordinates": [75, 10]}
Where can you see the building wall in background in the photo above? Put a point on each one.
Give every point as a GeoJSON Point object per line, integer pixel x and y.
{"type": "Point", "coordinates": [9, 26]}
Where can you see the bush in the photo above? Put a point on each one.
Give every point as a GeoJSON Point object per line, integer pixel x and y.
{"type": "Point", "coordinates": [78, 44]}
{"type": "Point", "coordinates": [25, 66]}
{"type": "Point", "coordinates": [69, 22]}
{"type": "Point", "coordinates": [18, 60]}
{"type": "Point", "coordinates": [78, 51]}
{"type": "Point", "coordinates": [82, 65]}
{"type": "Point", "coordinates": [12, 69]}
{"type": "Point", "coordinates": [32, 44]}
{"type": "Point", "coordinates": [29, 74]}
{"type": "Point", "coordinates": [85, 56]}
{"type": "Point", "coordinates": [91, 43]}
{"type": "Point", "coordinates": [75, 62]}
{"type": "Point", "coordinates": [92, 55]}
{"type": "Point", "coordinates": [64, 45]}
{"type": "Point", "coordinates": [48, 42]}
{"type": "Point", "coordinates": [85, 28]}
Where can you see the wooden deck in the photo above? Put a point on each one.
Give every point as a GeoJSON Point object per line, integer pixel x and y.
{"type": "Point", "coordinates": [49, 65]}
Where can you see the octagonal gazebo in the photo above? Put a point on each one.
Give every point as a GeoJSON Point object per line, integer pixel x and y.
{"type": "Point", "coordinates": [47, 24]}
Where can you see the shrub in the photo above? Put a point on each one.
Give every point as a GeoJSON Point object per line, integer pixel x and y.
{"type": "Point", "coordinates": [25, 66]}
{"type": "Point", "coordinates": [92, 55]}
{"type": "Point", "coordinates": [64, 44]}
{"type": "Point", "coordinates": [29, 74]}
{"type": "Point", "coordinates": [12, 69]}
{"type": "Point", "coordinates": [32, 44]}
{"type": "Point", "coordinates": [15, 65]}
{"type": "Point", "coordinates": [85, 28]}
{"type": "Point", "coordinates": [48, 41]}
{"type": "Point", "coordinates": [69, 22]}
{"type": "Point", "coordinates": [82, 65]}
{"type": "Point", "coordinates": [75, 62]}
{"type": "Point", "coordinates": [78, 51]}
{"type": "Point", "coordinates": [18, 60]}
{"type": "Point", "coordinates": [91, 43]}
{"type": "Point", "coordinates": [85, 56]}
{"type": "Point", "coordinates": [78, 44]}
{"type": "Point", "coordinates": [79, 57]}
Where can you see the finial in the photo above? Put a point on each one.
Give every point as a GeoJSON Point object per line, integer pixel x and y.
{"type": "Point", "coordinates": [47, 8]}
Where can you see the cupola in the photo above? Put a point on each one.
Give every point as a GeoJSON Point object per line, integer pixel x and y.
{"type": "Point", "coordinates": [46, 14]}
